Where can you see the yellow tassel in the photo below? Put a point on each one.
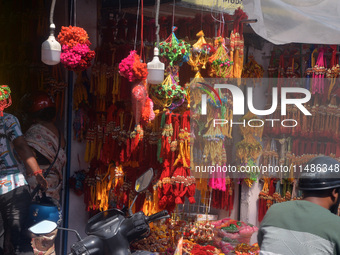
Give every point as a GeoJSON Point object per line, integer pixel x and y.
{"type": "Point", "coordinates": [93, 149]}
{"type": "Point", "coordinates": [87, 152]}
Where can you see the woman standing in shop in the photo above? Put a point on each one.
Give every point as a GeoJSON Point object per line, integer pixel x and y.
{"type": "Point", "coordinates": [48, 145]}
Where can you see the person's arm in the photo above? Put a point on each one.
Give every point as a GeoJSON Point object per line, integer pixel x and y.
{"type": "Point", "coordinates": [26, 155]}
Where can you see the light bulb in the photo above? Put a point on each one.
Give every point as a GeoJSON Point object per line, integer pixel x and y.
{"type": "Point", "coordinates": [155, 69]}
{"type": "Point", "coordinates": [51, 49]}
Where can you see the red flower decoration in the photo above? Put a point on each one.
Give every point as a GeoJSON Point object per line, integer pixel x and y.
{"type": "Point", "coordinates": [169, 93]}
{"type": "Point", "coordinates": [76, 54]}
{"type": "Point", "coordinates": [72, 36]}
{"type": "Point", "coordinates": [183, 51]}
{"type": "Point", "coordinates": [173, 87]}
{"type": "Point", "coordinates": [174, 50]}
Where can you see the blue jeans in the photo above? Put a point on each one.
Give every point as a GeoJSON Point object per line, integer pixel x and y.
{"type": "Point", "coordinates": [14, 208]}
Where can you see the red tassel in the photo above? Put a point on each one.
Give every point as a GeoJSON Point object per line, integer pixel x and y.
{"type": "Point", "coordinates": [178, 200]}
{"type": "Point", "coordinates": [231, 202]}
{"type": "Point", "coordinates": [192, 200]}
{"type": "Point", "coordinates": [328, 149]}
{"type": "Point", "coordinates": [322, 148]}
{"type": "Point", "coordinates": [260, 211]}
{"type": "Point", "coordinates": [227, 200]}
{"type": "Point", "coordinates": [163, 202]}
{"type": "Point", "coordinates": [337, 154]}
{"type": "Point", "coordinates": [148, 113]}
{"type": "Point", "coordinates": [121, 155]}
{"type": "Point", "coordinates": [128, 148]}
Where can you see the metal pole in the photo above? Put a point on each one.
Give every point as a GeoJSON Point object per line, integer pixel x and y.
{"type": "Point", "coordinates": [69, 140]}
{"type": "Point", "coordinates": [68, 164]}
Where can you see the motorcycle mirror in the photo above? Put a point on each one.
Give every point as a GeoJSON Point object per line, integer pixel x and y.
{"type": "Point", "coordinates": [43, 227]}
{"type": "Point", "coordinates": [143, 182]}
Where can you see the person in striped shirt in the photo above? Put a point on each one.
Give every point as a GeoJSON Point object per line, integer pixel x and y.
{"type": "Point", "coordinates": [16, 161]}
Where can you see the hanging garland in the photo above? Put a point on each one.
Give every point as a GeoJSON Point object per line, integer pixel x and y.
{"type": "Point", "coordinates": [132, 68]}
{"type": "Point", "coordinates": [76, 54]}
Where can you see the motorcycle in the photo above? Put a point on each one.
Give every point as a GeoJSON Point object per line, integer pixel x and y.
{"type": "Point", "coordinates": [110, 232]}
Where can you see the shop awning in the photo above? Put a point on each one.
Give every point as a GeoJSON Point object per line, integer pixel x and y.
{"type": "Point", "coordinates": [296, 21]}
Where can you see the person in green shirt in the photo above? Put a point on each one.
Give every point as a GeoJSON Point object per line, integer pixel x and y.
{"type": "Point", "coordinates": [308, 226]}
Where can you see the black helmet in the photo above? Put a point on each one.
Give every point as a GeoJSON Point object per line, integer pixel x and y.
{"type": "Point", "coordinates": [320, 173]}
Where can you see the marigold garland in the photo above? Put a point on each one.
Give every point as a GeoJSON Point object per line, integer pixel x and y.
{"type": "Point", "coordinates": [71, 36]}
{"type": "Point", "coordinates": [77, 58]}
{"type": "Point", "coordinates": [76, 54]}
{"type": "Point", "coordinates": [132, 68]}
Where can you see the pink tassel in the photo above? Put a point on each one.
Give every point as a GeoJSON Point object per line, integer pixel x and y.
{"type": "Point", "coordinates": [148, 114]}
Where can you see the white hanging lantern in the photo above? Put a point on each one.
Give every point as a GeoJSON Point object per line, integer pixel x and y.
{"type": "Point", "coordinates": [51, 49]}
{"type": "Point", "coordinates": [155, 69]}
